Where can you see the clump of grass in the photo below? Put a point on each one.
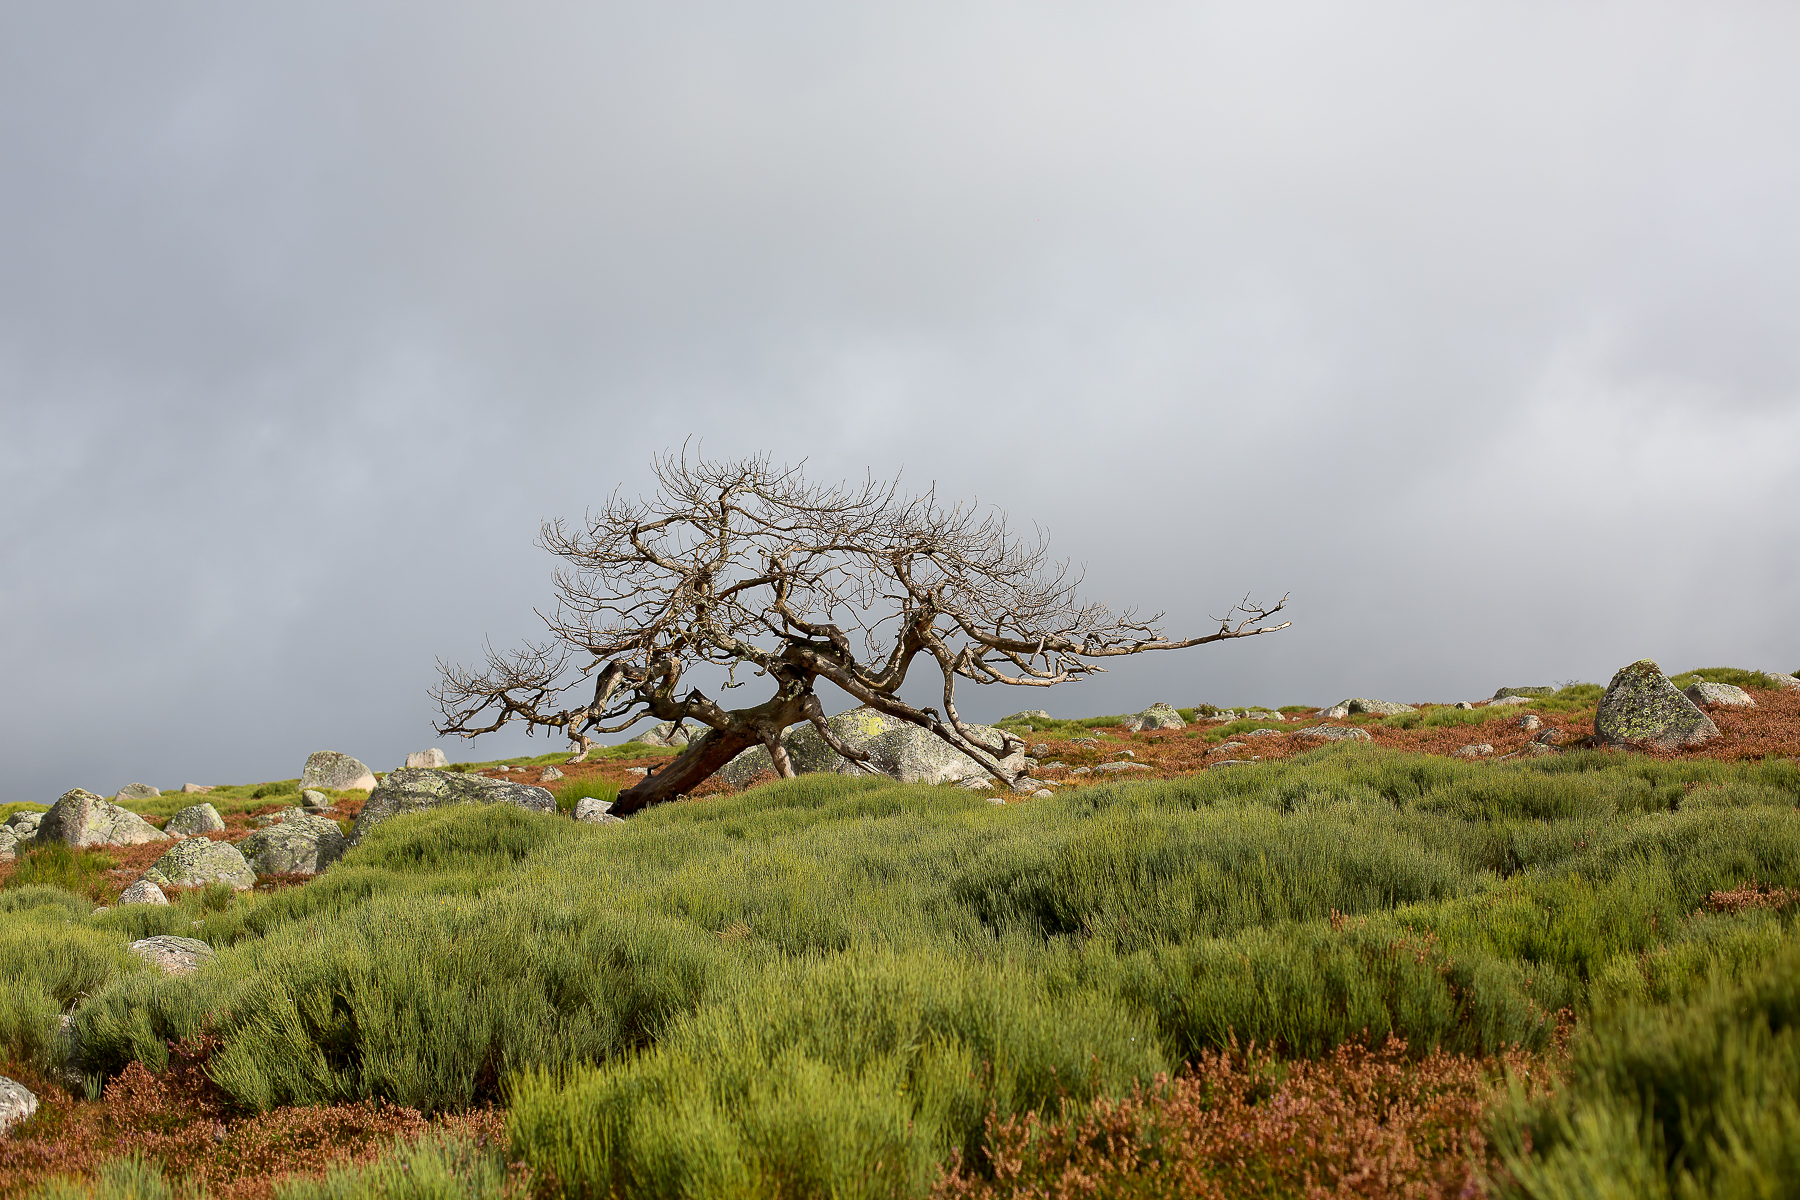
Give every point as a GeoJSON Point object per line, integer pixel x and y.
{"type": "Point", "coordinates": [1735, 676]}
{"type": "Point", "coordinates": [56, 865]}
{"type": "Point", "coordinates": [570, 794]}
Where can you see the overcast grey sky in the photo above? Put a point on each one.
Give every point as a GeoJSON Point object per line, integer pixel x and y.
{"type": "Point", "coordinates": [1473, 327]}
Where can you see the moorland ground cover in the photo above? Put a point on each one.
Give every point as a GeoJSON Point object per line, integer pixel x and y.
{"type": "Point", "coordinates": [1366, 969]}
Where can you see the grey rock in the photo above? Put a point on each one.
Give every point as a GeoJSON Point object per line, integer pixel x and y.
{"type": "Point", "coordinates": [137, 791]}
{"type": "Point", "coordinates": [1041, 749]}
{"type": "Point", "coordinates": [1030, 714]}
{"type": "Point", "coordinates": [1784, 682]}
{"type": "Point", "coordinates": [328, 770]}
{"type": "Point", "coordinates": [173, 955]}
{"type": "Point", "coordinates": [1081, 771]}
{"type": "Point", "coordinates": [301, 845]}
{"type": "Point", "coordinates": [1503, 693]}
{"type": "Point", "coordinates": [1108, 768]}
{"type": "Point", "coordinates": [1704, 691]}
{"type": "Point", "coordinates": [669, 734]}
{"type": "Point", "coordinates": [1464, 704]}
{"type": "Point", "coordinates": [549, 774]}
{"type": "Point", "coordinates": [1504, 701]}
{"type": "Point", "coordinates": [977, 785]}
{"type": "Point", "coordinates": [1641, 708]}
{"type": "Point", "coordinates": [24, 824]}
{"type": "Point", "coordinates": [640, 772]}
{"type": "Point", "coordinates": [898, 749]}
{"type": "Point", "coordinates": [1124, 753]}
{"type": "Point", "coordinates": [1480, 750]}
{"type": "Point", "coordinates": [195, 789]}
{"type": "Point", "coordinates": [1028, 762]}
{"type": "Point", "coordinates": [426, 760]}
{"type": "Point", "coordinates": [1041, 793]}
{"type": "Point", "coordinates": [80, 818]}
{"type": "Point", "coordinates": [1336, 712]}
{"type": "Point", "coordinates": [1382, 708]}
{"type": "Point", "coordinates": [142, 892]}
{"type": "Point", "coordinates": [999, 801]}
{"type": "Point", "coordinates": [16, 1103]}
{"type": "Point", "coordinates": [1157, 716]}
{"type": "Point", "coordinates": [1531, 722]}
{"type": "Point", "coordinates": [1053, 766]}
{"type": "Point", "coordinates": [9, 845]}
{"type": "Point", "coordinates": [1335, 733]}
{"type": "Point", "coordinates": [420, 791]}
{"type": "Point", "coordinates": [195, 819]}
{"type": "Point", "coordinates": [1231, 762]}
{"type": "Point", "coordinates": [1264, 733]}
{"type": "Point", "coordinates": [195, 862]}
{"type": "Point", "coordinates": [314, 801]}
{"type": "Point", "coordinates": [596, 811]}
{"type": "Point", "coordinates": [1224, 746]}
{"type": "Point", "coordinates": [1084, 741]}
{"type": "Point", "coordinates": [1025, 785]}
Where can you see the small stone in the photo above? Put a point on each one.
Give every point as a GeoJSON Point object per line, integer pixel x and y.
{"type": "Point", "coordinates": [1220, 749]}
{"type": "Point", "coordinates": [1081, 771]}
{"type": "Point", "coordinates": [314, 801]}
{"type": "Point", "coordinates": [1104, 768]}
{"type": "Point", "coordinates": [549, 774]}
{"type": "Point", "coordinates": [999, 800]}
{"type": "Point", "coordinates": [976, 785]}
{"type": "Point", "coordinates": [1504, 701]}
{"type": "Point", "coordinates": [1053, 766]}
{"type": "Point", "coordinates": [640, 772]}
{"type": "Point", "coordinates": [194, 820]}
{"type": "Point", "coordinates": [195, 862]}
{"type": "Point", "coordinates": [137, 791]}
{"type": "Point", "coordinates": [173, 955]}
{"type": "Point", "coordinates": [16, 1103]}
{"type": "Point", "coordinates": [142, 892]}
{"type": "Point", "coordinates": [1530, 722]}
{"type": "Point", "coordinates": [1041, 793]}
{"type": "Point", "coordinates": [329, 770]}
{"type": "Point", "coordinates": [1480, 750]}
{"type": "Point", "coordinates": [1336, 733]}
{"type": "Point", "coordinates": [1157, 716]}
{"type": "Point", "coordinates": [1464, 704]}
{"type": "Point", "coordinates": [9, 845]}
{"type": "Point", "coordinates": [195, 789]}
{"type": "Point", "coordinates": [1265, 733]}
{"type": "Point", "coordinates": [1336, 712]}
{"type": "Point", "coordinates": [1705, 691]}
{"type": "Point", "coordinates": [1025, 785]}
{"type": "Point", "coordinates": [301, 844]}
{"type": "Point", "coordinates": [1041, 749]}
{"type": "Point", "coordinates": [426, 760]}
{"type": "Point", "coordinates": [1124, 753]}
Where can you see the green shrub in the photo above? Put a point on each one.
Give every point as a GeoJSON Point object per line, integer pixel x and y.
{"type": "Point", "coordinates": [57, 865]}
{"type": "Point", "coordinates": [582, 789]}
{"type": "Point", "coordinates": [1735, 676]}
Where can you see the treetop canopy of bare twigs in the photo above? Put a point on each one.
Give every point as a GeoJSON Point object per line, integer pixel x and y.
{"type": "Point", "coordinates": [750, 566]}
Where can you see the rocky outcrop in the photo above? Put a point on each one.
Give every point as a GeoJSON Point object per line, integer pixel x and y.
{"type": "Point", "coordinates": [1706, 692]}
{"type": "Point", "coordinates": [1479, 750]}
{"type": "Point", "coordinates": [1157, 716]}
{"type": "Point", "coordinates": [173, 955]}
{"type": "Point", "coordinates": [137, 791]}
{"type": "Point", "coordinates": [195, 820]}
{"type": "Point", "coordinates": [421, 791]}
{"type": "Point", "coordinates": [1335, 733]}
{"type": "Point", "coordinates": [328, 769]}
{"type": "Point", "coordinates": [670, 734]}
{"type": "Point", "coordinates": [1503, 693]}
{"type": "Point", "coordinates": [80, 818]}
{"type": "Point", "coordinates": [300, 845]}
{"type": "Point", "coordinates": [1504, 701]}
{"type": "Point", "coordinates": [426, 760]}
{"type": "Point", "coordinates": [1642, 709]}
{"type": "Point", "coordinates": [1784, 682]}
{"type": "Point", "coordinates": [195, 789]}
{"type": "Point", "coordinates": [595, 811]}
{"type": "Point", "coordinates": [196, 862]}
{"type": "Point", "coordinates": [142, 892]}
{"type": "Point", "coordinates": [16, 1103]}
{"type": "Point", "coordinates": [898, 749]}
{"type": "Point", "coordinates": [1030, 714]}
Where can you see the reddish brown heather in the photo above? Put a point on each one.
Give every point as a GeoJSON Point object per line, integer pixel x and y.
{"type": "Point", "coordinates": [180, 1120]}
{"type": "Point", "coordinates": [1363, 1122]}
{"type": "Point", "coordinates": [1750, 895]}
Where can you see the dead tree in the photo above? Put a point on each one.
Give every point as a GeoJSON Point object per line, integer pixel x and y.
{"type": "Point", "coordinates": [747, 566]}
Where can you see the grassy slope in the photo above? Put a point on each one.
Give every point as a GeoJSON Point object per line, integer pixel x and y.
{"type": "Point", "coordinates": [830, 982]}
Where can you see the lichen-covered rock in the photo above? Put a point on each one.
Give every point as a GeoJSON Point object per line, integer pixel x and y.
{"type": "Point", "coordinates": [420, 791]}
{"type": "Point", "coordinates": [1336, 712]}
{"type": "Point", "coordinates": [1784, 682]}
{"type": "Point", "coordinates": [301, 845]}
{"type": "Point", "coordinates": [196, 862]}
{"type": "Point", "coordinates": [327, 769]}
{"type": "Point", "coordinates": [80, 818]}
{"type": "Point", "coordinates": [173, 955]}
{"type": "Point", "coordinates": [1030, 714]}
{"type": "Point", "coordinates": [24, 824]}
{"type": "Point", "coordinates": [1642, 708]}
{"type": "Point", "coordinates": [426, 760]}
{"type": "Point", "coordinates": [194, 820]}
{"type": "Point", "coordinates": [9, 845]}
{"type": "Point", "coordinates": [315, 801]}
{"type": "Point", "coordinates": [897, 748]}
{"type": "Point", "coordinates": [1704, 691]}
{"type": "Point", "coordinates": [1531, 722]}
{"type": "Point", "coordinates": [1335, 733]}
{"type": "Point", "coordinates": [1111, 767]}
{"type": "Point", "coordinates": [194, 789]}
{"type": "Point", "coordinates": [595, 811]}
{"type": "Point", "coordinates": [1504, 701]}
{"type": "Point", "coordinates": [1157, 716]}
{"type": "Point", "coordinates": [1479, 750]}
{"type": "Point", "coordinates": [668, 733]}
{"type": "Point", "coordinates": [137, 791]}
{"type": "Point", "coordinates": [1381, 708]}
{"type": "Point", "coordinates": [1503, 693]}
{"type": "Point", "coordinates": [549, 775]}
{"type": "Point", "coordinates": [16, 1103]}
{"type": "Point", "coordinates": [142, 892]}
